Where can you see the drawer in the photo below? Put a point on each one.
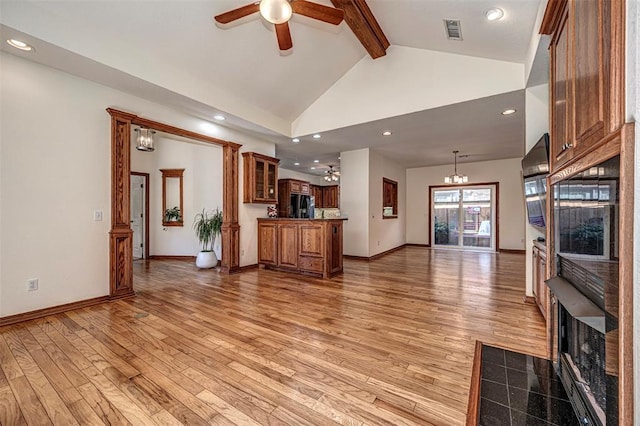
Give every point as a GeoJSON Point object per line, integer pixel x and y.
{"type": "Point", "coordinates": [311, 264]}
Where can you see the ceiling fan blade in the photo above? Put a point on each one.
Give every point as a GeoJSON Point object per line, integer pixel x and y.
{"type": "Point", "coordinates": [323, 13]}
{"type": "Point", "coordinates": [241, 12]}
{"type": "Point", "coordinates": [284, 36]}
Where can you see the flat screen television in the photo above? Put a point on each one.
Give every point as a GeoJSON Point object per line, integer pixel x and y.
{"type": "Point", "coordinates": [535, 168]}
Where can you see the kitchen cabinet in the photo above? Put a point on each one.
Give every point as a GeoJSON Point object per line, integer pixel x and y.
{"type": "Point", "coordinates": [539, 265]}
{"type": "Point", "coordinates": [586, 74]}
{"type": "Point", "coordinates": [316, 192]}
{"type": "Point", "coordinates": [306, 246]}
{"type": "Point", "coordinates": [260, 178]}
{"type": "Point", "coordinates": [331, 197]}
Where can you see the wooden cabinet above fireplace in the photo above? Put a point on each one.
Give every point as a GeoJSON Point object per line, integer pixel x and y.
{"type": "Point", "coordinates": [586, 76]}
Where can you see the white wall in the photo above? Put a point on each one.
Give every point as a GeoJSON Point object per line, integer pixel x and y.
{"type": "Point", "coordinates": [354, 201]}
{"type": "Point", "coordinates": [506, 172]}
{"type": "Point", "coordinates": [294, 174]}
{"type": "Point", "coordinates": [202, 188]}
{"type": "Point", "coordinates": [407, 80]}
{"type": "Point", "coordinates": [385, 234]}
{"type": "Point", "coordinates": [55, 171]}
{"type": "Point", "coordinates": [536, 124]}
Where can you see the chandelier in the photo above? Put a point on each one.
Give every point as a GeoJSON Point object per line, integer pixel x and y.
{"type": "Point", "coordinates": [332, 175]}
{"type": "Point", "coordinates": [455, 177]}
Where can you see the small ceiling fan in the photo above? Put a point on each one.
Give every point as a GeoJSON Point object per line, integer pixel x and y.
{"type": "Point", "coordinates": [332, 175]}
{"type": "Point", "coordinates": [278, 12]}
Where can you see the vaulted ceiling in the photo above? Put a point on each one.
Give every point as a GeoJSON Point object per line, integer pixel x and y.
{"type": "Point", "coordinates": [174, 52]}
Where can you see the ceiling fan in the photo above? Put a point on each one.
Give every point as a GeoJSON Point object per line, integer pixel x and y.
{"type": "Point", "coordinates": [278, 12]}
{"type": "Point", "coordinates": [332, 175]}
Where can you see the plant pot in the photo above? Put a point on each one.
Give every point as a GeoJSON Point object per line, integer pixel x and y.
{"type": "Point", "coordinates": [206, 259]}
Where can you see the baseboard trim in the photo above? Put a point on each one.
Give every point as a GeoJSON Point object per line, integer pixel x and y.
{"type": "Point", "coordinates": [417, 245]}
{"type": "Point", "coordinates": [172, 257]}
{"type": "Point", "coordinates": [473, 408]}
{"type": "Point", "coordinates": [375, 256]}
{"type": "Point", "coordinates": [247, 268]}
{"type": "Point", "coordinates": [514, 251]}
{"type": "Point", "coordinates": [31, 315]}
{"type": "Point", "coordinates": [529, 300]}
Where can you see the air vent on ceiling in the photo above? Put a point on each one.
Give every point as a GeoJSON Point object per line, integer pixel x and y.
{"type": "Point", "coordinates": [453, 29]}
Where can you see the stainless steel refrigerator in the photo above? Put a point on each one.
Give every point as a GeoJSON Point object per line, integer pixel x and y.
{"type": "Point", "coordinates": [301, 206]}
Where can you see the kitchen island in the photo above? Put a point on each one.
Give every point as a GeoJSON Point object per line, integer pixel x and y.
{"type": "Point", "coordinates": [305, 246]}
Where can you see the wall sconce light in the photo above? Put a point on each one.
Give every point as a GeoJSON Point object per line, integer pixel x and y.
{"type": "Point", "coordinates": [144, 141]}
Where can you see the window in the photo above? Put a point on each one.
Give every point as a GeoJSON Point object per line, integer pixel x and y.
{"type": "Point", "coordinates": [389, 198]}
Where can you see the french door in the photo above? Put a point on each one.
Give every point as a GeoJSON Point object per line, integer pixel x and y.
{"type": "Point", "coordinates": [464, 217]}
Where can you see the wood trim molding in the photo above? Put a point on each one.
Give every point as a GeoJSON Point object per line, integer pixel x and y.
{"type": "Point", "coordinates": [608, 148]}
{"type": "Point", "coordinates": [416, 245]}
{"type": "Point", "coordinates": [514, 251]}
{"type": "Point", "coordinates": [552, 16]}
{"type": "Point", "coordinates": [377, 256]}
{"type": "Point", "coordinates": [529, 300]}
{"type": "Point", "coordinates": [173, 257]}
{"type": "Point", "coordinates": [40, 313]}
{"type": "Point", "coordinates": [625, 367]}
{"type": "Point", "coordinates": [364, 25]}
{"type": "Point", "coordinates": [246, 268]}
{"type": "Point", "coordinates": [473, 408]}
{"type": "Point", "coordinates": [120, 235]}
{"type": "Point", "coordinates": [167, 128]}
{"type": "Point", "coordinates": [230, 203]}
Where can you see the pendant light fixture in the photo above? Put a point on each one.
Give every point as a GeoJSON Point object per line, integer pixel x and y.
{"type": "Point", "coordinates": [144, 141]}
{"type": "Point", "coordinates": [455, 177]}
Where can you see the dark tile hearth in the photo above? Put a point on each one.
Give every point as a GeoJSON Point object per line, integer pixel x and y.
{"type": "Point", "coordinates": [521, 390]}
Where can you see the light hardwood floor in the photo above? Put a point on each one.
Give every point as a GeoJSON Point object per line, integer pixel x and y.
{"type": "Point", "coordinates": [389, 342]}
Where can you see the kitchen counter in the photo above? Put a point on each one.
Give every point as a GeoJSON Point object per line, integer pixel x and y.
{"type": "Point", "coordinates": [304, 246]}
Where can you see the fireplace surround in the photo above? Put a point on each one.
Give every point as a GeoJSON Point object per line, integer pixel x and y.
{"type": "Point", "coordinates": [585, 290]}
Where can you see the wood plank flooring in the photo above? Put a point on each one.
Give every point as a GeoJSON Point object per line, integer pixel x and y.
{"type": "Point", "coordinates": [388, 342]}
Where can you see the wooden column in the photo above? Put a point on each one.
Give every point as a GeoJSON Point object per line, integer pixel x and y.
{"type": "Point", "coordinates": [230, 227]}
{"type": "Point", "coordinates": [120, 235]}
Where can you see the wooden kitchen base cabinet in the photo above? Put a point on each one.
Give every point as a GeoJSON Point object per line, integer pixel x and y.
{"type": "Point", "coordinates": [308, 246]}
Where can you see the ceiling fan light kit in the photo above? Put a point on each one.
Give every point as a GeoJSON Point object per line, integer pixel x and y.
{"type": "Point", "coordinates": [276, 11]}
{"type": "Point", "coordinates": [332, 175]}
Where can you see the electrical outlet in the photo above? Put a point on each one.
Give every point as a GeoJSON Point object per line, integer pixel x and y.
{"type": "Point", "coordinates": [242, 253]}
{"type": "Point", "coordinates": [378, 242]}
{"type": "Point", "coordinates": [97, 215]}
{"type": "Point", "coordinates": [32, 284]}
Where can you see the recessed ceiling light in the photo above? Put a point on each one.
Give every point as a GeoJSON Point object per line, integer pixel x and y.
{"type": "Point", "coordinates": [508, 111]}
{"type": "Point", "coordinates": [295, 140]}
{"type": "Point", "coordinates": [316, 161]}
{"type": "Point", "coordinates": [494, 14]}
{"type": "Point", "coordinates": [313, 168]}
{"type": "Point", "coordinates": [317, 136]}
{"type": "Point", "coordinates": [219, 117]}
{"type": "Point", "coordinates": [387, 133]}
{"type": "Point", "coordinates": [19, 45]}
{"type": "Point", "coordinates": [296, 164]}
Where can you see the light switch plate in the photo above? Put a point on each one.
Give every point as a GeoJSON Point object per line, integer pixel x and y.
{"type": "Point", "coordinates": [97, 215]}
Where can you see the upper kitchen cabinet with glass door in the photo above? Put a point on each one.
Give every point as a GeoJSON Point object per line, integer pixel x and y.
{"type": "Point", "coordinates": [260, 178]}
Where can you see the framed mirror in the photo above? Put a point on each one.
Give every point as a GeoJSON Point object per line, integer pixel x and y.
{"type": "Point", "coordinates": [172, 206]}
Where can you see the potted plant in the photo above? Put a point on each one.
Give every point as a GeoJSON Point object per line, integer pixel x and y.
{"type": "Point", "coordinates": [208, 225]}
{"type": "Point", "coordinates": [172, 214]}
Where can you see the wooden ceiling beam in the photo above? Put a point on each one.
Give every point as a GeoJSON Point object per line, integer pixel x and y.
{"type": "Point", "coordinates": [364, 25]}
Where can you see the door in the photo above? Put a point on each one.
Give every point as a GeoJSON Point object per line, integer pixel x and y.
{"type": "Point", "coordinates": [464, 217]}
{"type": "Point", "coordinates": [138, 184]}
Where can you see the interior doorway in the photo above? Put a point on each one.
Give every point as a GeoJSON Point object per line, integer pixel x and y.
{"type": "Point", "coordinates": [464, 217]}
{"type": "Point", "coordinates": [139, 193]}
